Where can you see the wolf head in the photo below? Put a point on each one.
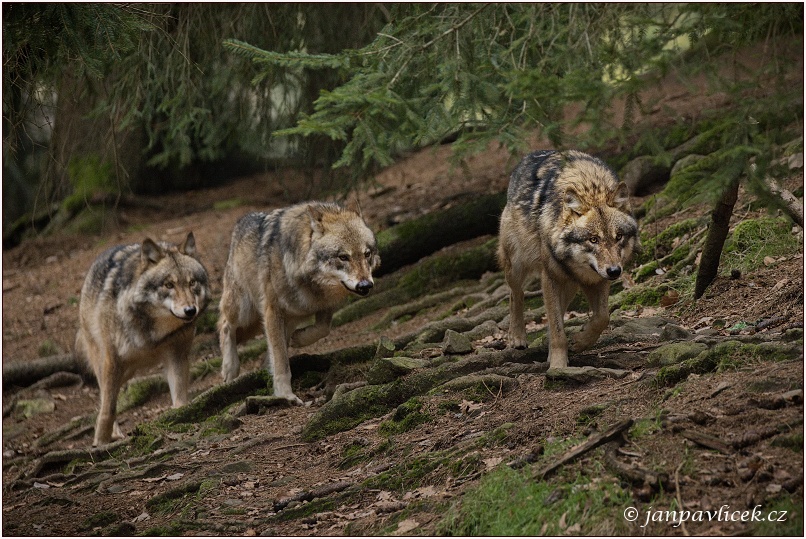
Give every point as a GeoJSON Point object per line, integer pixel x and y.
{"type": "Point", "coordinates": [602, 234]}
{"type": "Point", "coordinates": [172, 281]}
{"type": "Point", "coordinates": [344, 247]}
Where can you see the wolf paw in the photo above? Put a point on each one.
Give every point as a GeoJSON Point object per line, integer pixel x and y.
{"type": "Point", "coordinates": [292, 399]}
{"type": "Point", "coordinates": [518, 343]}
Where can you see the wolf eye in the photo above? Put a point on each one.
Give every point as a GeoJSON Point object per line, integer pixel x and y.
{"type": "Point", "coordinates": [367, 253]}
{"type": "Point", "coordinates": [594, 239]}
{"type": "Point", "coordinates": [192, 282]}
{"type": "Point", "coordinates": [344, 258]}
{"type": "Point", "coordinates": [619, 236]}
{"type": "Point", "coordinates": [169, 285]}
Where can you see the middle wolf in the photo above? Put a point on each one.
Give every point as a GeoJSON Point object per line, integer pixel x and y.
{"type": "Point", "coordinates": [283, 268]}
{"type": "Point", "coordinates": [568, 217]}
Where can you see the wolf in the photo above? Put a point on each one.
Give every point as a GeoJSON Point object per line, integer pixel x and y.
{"type": "Point", "coordinates": [285, 267]}
{"type": "Point", "coordinates": [567, 219]}
{"type": "Point", "coordinates": [138, 306]}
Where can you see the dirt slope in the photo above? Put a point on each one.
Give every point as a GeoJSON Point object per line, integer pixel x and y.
{"type": "Point", "coordinates": [727, 435]}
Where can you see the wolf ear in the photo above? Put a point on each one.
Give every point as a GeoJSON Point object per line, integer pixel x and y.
{"type": "Point", "coordinates": [189, 247]}
{"type": "Point", "coordinates": [151, 253]}
{"type": "Point", "coordinates": [316, 214]}
{"type": "Point", "coordinates": [619, 198]}
{"type": "Point", "coordinates": [354, 207]}
{"type": "Point", "coordinates": [572, 201]}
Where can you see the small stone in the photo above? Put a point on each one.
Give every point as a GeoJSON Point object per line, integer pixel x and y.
{"type": "Point", "coordinates": [456, 343]}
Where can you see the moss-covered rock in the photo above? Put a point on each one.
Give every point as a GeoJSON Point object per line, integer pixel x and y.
{"type": "Point", "coordinates": [456, 343]}
{"type": "Point", "coordinates": [728, 355]}
{"type": "Point", "coordinates": [384, 370]}
{"type": "Point", "coordinates": [674, 353]}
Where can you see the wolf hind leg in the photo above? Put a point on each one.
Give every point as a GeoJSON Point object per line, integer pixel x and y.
{"type": "Point", "coordinates": [600, 317]}
{"type": "Point", "coordinates": [230, 364]}
{"type": "Point", "coordinates": [515, 278]}
{"type": "Point", "coordinates": [109, 382]}
{"type": "Point", "coordinates": [310, 334]}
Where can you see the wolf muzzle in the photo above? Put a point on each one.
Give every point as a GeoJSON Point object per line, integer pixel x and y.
{"type": "Point", "coordinates": [613, 272]}
{"type": "Point", "coordinates": [363, 287]}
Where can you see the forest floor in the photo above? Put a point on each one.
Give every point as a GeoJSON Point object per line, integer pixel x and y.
{"type": "Point", "coordinates": [728, 437]}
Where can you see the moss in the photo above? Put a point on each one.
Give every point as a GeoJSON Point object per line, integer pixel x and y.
{"type": "Point", "coordinates": [656, 247]}
{"type": "Point", "coordinates": [174, 529]}
{"type": "Point", "coordinates": [408, 474]}
{"type": "Point", "coordinates": [670, 354]}
{"type": "Point", "coordinates": [793, 441]}
{"type": "Point", "coordinates": [138, 392]}
{"type": "Point", "coordinates": [206, 323]}
{"type": "Point", "coordinates": [754, 239]}
{"type": "Point", "coordinates": [643, 428]}
{"type": "Point", "coordinates": [727, 355]}
{"type": "Point", "coordinates": [228, 204]}
{"type": "Point", "coordinates": [168, 501]}
{"type": "Point", "coordinates": [407, 416]}
{"type": "Point", "coordinates": [47, 348]}
{"type": "Point", "coordinates": [217, 398]}
{"type": "Point", "coordinates": [89, 176]}
{"type": "Point", "coordinates": [99, 520]}
{"type": "Point", "coordinates": [643, 295]}
{"type": "Point", "coordinates": [587, 416]}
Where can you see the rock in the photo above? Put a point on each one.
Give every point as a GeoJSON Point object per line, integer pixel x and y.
{"type": "Point", "coordinates": [456, 343]}
{"type": "Point", "coordinates": [28, 408]}
{"type": "Point", "coordinates": [673, 332]}
{"type": "Point", "coordinates": [240, 466]}
{"type": "Point", "coordinates": [485, 329]}
{"type": "Point", "coordinates": [643, 173]}
{"type": "Point", "coordinates": [386, 348]}
{"type": "Point", "coordinates": [384, 370]}
{"type": "Point", "coordinates": [671, 354]}
{"type": "Point", "coordinates": [582, 375]}
{"type": "Point", "coordinates": [493, 383]}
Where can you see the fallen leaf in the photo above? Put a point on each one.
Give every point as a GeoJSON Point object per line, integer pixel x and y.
{"type": "Point", "coordinates": [155, 479]}
{"type": "Point", "coordinates": [405, 526]}
{"type": "Point", "coordinates": [769, 261]}
{"type": "Point", "coordinates": [175, 477]}
{"type": "Point", "coordinates": [141, 517]}
{"type": "Point", "coordinates": [41, 485]}
{"type": "Point", "coordinates": [492, 462]}
{"type": "Point", "coordinates": [468, 406]}
{"type": "Point", "coordinates": [562, 523]}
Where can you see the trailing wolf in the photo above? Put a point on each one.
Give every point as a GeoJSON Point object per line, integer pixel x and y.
{"type": "Point", "coordinates": [138, 306]}
{"type": "Point", "coordinates": [567, 219]}
{"type": "Point", "coordinates": [285, 267]}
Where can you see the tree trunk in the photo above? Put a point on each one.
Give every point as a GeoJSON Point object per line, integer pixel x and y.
{"type": "Point", "coordinates": [712, 251]}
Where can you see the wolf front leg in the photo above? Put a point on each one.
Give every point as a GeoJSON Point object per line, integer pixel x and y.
{"type": "Point", "coordinates": [109, 382]}
{"type": "Point", "coordinates": [177, 372]}
{"type": "Point", "coordinates": [310, 334]}
{"type": "Point", "coordinates": [600, 317]}
{"type": "Point", "coordinates": [277, 354]}
{"type": "Point", "coordinates": [556, 297]}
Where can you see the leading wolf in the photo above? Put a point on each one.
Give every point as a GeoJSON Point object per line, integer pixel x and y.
{"type": "Point", "coordinates": [567, 219]}
{"type": "Point", "coordinates": [285, 267]}
{"type": "Point", "coordinates": [138, 306]}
